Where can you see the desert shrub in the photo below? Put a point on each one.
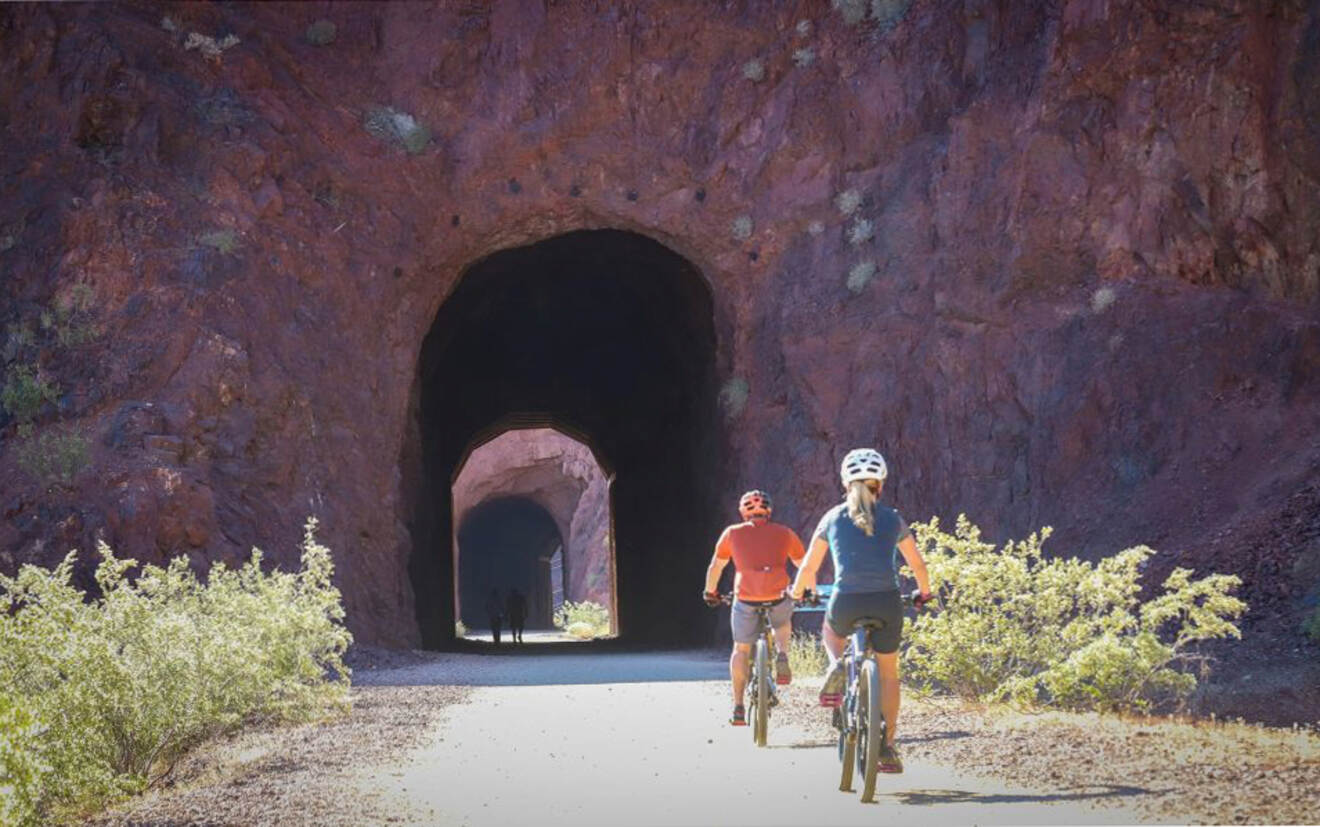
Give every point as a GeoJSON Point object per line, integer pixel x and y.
{"type": "Point", "coordinates": [125, 683]}
{"type": "Point", "coordinates": [583, 620]}
{"type": "Point", "coordinates": [861, 231]}
{"type": "Point", "coordinates": [389, 124]}
{"type": "Point", "coordinates": [321, 33]}
{"type": "Point", "coordinates": [741, 227]}
{"type": "Point", "coordinates": [1311, 626]}
{"type": "Point", "coordinates": [54, 456]}
{"type": "Point", "coordinates": [21, 771]}
{"type": "Point", "coordinates": [222, 241]}
{"type": "Point", "coordinates": [26, 391]}
{"type": "Point", "coordinates": [806, 655]}
{"type": "Point", "coordinates": [1016, 626]}
{"type": "Point", "coordinates": [860, 275]}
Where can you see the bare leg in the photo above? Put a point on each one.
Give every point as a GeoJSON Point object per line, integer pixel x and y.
{"type": "Point", "coordinates": [738, 670]}
{"type": "Point", "coordinates": [889, 691]}
{"type": "Point", "coordinates": [833, 643]}
{"type": "Point", "coordinates": [782, 636]}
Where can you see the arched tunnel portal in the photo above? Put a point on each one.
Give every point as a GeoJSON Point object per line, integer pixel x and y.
{"type": "Point", "coordinates": [604, 333]}
{"type": "Point", "coordinates": [503, 544]}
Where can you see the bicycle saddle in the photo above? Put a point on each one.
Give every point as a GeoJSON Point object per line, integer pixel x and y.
{"type": "Point", "coordinates": [869, 623]}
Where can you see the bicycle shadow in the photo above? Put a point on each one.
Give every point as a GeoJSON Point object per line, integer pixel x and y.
{"type": "Point", "coordinates": [945, 735]}
{"type": "Point", "coordinates": [928, 798]}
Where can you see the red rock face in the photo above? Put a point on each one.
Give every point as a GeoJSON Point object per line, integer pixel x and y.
{"type": "Point", "coordinates": [1058, 261]}
{"type": "Point", "coordinates": [560, 475]}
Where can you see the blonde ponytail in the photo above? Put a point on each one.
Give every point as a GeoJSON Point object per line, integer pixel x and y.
{"type": "Point", "coordinates": [861, 506]}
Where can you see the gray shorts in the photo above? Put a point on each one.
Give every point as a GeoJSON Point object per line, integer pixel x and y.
{"type": "Point", "coordinates": [742, 619]}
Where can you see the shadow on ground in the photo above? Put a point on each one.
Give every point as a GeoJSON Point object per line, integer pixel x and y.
{"type": "Point", "coordinates": [923, 798]}
{"type": "Point", "coordinates": [547, 665]}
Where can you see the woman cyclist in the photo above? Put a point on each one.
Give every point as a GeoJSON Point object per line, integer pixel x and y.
{"type": "Point", "coordinates": [862, 534]}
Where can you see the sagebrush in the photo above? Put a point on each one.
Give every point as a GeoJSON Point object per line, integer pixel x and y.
{"type": "Point", "coordinates": [54, 456]}
{"type": "Point", "coordinates": [1016, 626]}
{"type": "Point", "coordinates": [583, 620]}
{"type": "Point", "coordinates": [99, 697]}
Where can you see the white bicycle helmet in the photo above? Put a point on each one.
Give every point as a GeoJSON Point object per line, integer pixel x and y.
{"type": "Point", "coordinates": [863, 464]}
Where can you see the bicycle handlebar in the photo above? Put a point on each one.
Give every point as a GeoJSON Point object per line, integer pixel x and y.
{"type": "Point", "coordinates": [808, 599]}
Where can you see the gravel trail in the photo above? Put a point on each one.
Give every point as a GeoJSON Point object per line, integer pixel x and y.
{"type": "Point", "coordinates": [609, 738]}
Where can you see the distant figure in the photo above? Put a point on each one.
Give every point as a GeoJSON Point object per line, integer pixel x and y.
{"type": "Point", "coordinates": [494, 611]}
{"type": "Point", "coordinates": [517, 611]}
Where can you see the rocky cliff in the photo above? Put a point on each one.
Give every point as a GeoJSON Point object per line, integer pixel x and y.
{"type": "Point", "coordinates": [1058, 260]}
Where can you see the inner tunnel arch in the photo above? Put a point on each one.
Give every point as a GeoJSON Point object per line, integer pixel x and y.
{"type": "Point", "coordinates": [603, 334]}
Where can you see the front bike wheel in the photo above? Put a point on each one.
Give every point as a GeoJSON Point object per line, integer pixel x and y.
{"type": "Point", "coordinates": [870, 727]}
{"type": "Point", "coordinates": [761, 693]}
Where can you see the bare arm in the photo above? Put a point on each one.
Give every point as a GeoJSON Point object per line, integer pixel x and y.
{"type": "Point", "coordinates": [806, 576]}
{"type": "Point", "coordinates": [908, 547]}
{"type": "Point", "coordinates": [713, 572]}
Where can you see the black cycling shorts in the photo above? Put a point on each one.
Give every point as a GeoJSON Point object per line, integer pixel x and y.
{"type": "Point", "coordinates": [843, 611]}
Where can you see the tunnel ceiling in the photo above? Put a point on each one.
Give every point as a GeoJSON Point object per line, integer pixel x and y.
{"type": "Point", "coordinates": [606, 332]}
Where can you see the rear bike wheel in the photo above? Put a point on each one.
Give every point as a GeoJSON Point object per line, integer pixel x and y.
{"type": "Point", "coordinates": [761, 693]}
{"type": "Point", "coordinates": [870, 727]}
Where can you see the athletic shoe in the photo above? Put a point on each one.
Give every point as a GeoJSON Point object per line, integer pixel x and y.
{"type": "Point", "coordinates": [783, 674]}
{"type": "Point", "coordinates": [739, 717]}
{"type": "Point", "coordinates": [831, 694]}
{"type": "Point", "coordinates": [889, 760]}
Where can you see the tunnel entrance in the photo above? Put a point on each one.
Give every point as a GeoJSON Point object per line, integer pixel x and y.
{"type": "Point", "coordinates": [559, 478]}
{"type": "Point", "coordinates": [504, 545]}
{"type": "Point", "coordinates": [605, 335]}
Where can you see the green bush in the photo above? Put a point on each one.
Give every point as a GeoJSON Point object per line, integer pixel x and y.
{"type": "Point", "coordinates": [25, 392]}
{"type": "Point", "coordinates": [21, 771]}
{"type": "Point", "coordinates": [1016, 626]}
{"type": "Point", "coordinates": [127, 682]}
{"type": "Point", "coordinates": [583, 620]}
{"type": "Point", "coordinates": [54, 456]}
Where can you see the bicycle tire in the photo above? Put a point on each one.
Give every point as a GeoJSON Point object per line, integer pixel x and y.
{"type": "Point", "coordinates": [873, 734]}
{"type": "Point", "coordinates": [761, 694]}
{"type": "Point", "coordinates": [847, 743]}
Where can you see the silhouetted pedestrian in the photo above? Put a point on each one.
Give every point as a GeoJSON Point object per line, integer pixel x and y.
{"type": "Point", "coordinates": [494, 611]}
{"type": "Point", "coordinates": [516, 608]}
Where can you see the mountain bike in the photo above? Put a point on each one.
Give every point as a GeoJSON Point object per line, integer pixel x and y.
{"type": "Point", "coordinates": [858, 719]}
{"type": "Point", "coordinates": [762, 694]}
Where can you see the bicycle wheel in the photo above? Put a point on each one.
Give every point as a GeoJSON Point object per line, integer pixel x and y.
{"type": "Point", "coordinates": [761, 693]}
{"type": "Point", "coordinates": [870, 727]}
{"type": "Point", "coordinates": [847, 740]}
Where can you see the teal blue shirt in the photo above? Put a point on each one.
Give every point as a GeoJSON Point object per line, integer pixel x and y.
{"type": "Point", "coordinates": [861, 563]}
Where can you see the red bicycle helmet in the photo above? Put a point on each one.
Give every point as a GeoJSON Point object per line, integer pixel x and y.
{"type": "Point", "coordinates": [755, 504]}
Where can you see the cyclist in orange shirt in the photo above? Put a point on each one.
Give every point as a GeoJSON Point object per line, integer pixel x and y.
{"type": "Point", "coordinates": [760, 551]}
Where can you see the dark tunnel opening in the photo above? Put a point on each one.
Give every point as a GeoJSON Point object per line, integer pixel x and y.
{"type": "Point", "coordinates": [602, 333]}
{"type": "Point", "coordinates": [505, 544]}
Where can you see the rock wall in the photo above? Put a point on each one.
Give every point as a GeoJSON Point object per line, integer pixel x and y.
{"type": "Point", "coordinates": [1058, 260]}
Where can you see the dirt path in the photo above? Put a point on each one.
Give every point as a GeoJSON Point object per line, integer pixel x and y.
{"type": "Point", "coordinates": [639, 738]}
{"type": "Point", "coordinates": [590, 740]}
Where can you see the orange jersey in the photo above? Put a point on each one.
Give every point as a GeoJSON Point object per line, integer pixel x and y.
{"type": "Point", "coordinates": [760, 552]}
